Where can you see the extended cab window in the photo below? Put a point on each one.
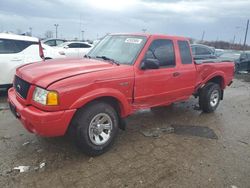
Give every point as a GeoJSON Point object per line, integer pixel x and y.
{"type": "Point", "coordinates": [185, 53]}
{"type": "Point", "coordinates": [163, 51]}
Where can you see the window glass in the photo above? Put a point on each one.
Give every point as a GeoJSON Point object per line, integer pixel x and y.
{"type": "Point", "coordinates": [7, 46]}
{"type": "Point", "coordinates": [58, 42]}
{"type": "Point", "coordinates": [74, 45]}
{"type": "Point", "coordinates": [193, 49]}
{"type": "Point", "coordinates": [122, 48]}
{"type": "Point", "coordinates": [50, 43]}
{"type": "Point", "coordinates": [163, 51]}
{"type": "Point", "coordinates": [248, 56]}
{"type": "Point", "coordinates": [202, 51]}
{"type": "Point", "coordinates": [21, 45]}
{"type": "Point", "coordinates": [243, 56]}
{"type": "Point", "coordinates": [13, 46]}
{"type": "Point", "coordinates": [185, 53]}
{"type": "Point", "coordinates": [84, 45]}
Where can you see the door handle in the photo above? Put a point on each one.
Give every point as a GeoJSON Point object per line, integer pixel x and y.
{"type": "Point", "coordinates": [175, 74]}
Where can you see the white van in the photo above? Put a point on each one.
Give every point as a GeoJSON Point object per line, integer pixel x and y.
{"type": "Point", "coordinates": [16, 50]}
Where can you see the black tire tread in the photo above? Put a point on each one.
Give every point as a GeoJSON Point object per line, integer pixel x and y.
{"type": "Point", "coordinates": [204, 97]}
{"type": "Point", "coordinates": [79, 128]}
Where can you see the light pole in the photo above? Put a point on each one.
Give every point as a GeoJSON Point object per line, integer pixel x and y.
{"type": "Point", "coordinates": [30, 28]}
{"type": "Point", "coordinates": [56, 25]}
{"type": "Point", "coordinates": [238, 33]}
{"type": "Point", "coordinates": [82, 35]}
{"type": "Point", "coordinates": [245, 40]}
{"type": "Point", "coordinates": [203, 35]}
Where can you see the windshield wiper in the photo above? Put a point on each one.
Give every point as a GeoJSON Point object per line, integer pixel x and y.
{"type": "Point", "coordinates": [108, 59]}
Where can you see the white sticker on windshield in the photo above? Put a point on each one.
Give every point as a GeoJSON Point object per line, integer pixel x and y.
{"type": "Point", "coordinates": [133, 40]}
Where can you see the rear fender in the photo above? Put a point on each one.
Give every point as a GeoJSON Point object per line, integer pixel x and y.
{"type": "Point", "coordinates": [213, 76]}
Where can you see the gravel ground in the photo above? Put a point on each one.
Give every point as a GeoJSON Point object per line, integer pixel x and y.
{"type": "Point", "coordinates": [208, 150]}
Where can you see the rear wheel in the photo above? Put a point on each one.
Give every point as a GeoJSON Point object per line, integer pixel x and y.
{"type": "Point", "coordinates": [209, 98]}
{"type": "Point", "coordinates": [96, 127]}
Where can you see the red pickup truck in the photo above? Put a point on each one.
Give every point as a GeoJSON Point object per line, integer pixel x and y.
{"type": "Point", "coordinates": [90, 97]}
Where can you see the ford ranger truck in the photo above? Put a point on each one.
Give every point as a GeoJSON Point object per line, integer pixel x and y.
{"type": "Point", "coordinates": [122, 74]}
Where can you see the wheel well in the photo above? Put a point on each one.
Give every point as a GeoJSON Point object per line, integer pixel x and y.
{"type": "Point", "coordinates": [110, 100]}
{"type": "Point", "coordinates": [218, 80]}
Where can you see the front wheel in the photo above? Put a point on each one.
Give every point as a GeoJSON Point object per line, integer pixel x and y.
{"type": "Point", "coordinates": [210, 96]}
{"type": "Point", "coordinates": [96, 128]}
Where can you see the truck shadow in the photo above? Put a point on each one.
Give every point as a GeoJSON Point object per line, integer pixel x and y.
{"type": "Point", "coordinates": [182, 117]}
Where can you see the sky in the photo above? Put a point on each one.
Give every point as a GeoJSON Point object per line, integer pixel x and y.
{"type": "Point", "coordinates": [219, 19]}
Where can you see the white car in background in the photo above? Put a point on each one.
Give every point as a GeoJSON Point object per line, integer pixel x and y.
{"type": "Point", "coordinates": [53, 42]}
{"type": "Point", "coordinates": [74, 49]}
{"type": "Point", "coordinates": [51, 53]}
{"type": "Point", "coordinates": [16, 50]}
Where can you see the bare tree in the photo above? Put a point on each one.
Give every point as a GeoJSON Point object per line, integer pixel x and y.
{"type": "Point", "coordinates": [48, 34]}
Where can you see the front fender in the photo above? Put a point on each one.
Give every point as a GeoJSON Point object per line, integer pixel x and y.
{"type": "Point", "coordinates": [104, 92]}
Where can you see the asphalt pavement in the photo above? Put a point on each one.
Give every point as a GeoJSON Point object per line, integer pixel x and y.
{"type": "Point", "coordinates": [175, 146]}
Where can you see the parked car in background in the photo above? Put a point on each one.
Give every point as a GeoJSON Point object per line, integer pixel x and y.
{"type": "Point", "coordinates": [230, 55]}
{"type": "Point", "coordinates": [201, 51]}
{"type": "Point", "coordinates": [243, 62]}
{"type": "Point", "coordinates": [53, 42]}
{"type": "Point", "coordinates": [51, 53]}
{"type": "Point", "coordinates": [16, 50]}
{"type": "Point", "coordinates": [219, 52]}
{"type": "Point", "coordinates": [74, 49]}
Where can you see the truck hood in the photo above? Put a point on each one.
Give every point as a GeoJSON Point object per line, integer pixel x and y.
{"type": "Point", "coordinates": [45, 73]}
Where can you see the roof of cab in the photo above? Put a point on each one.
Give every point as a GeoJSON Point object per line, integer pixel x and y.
{"type": "Point", "coordinates": [17, 37]}
{"type": "Point", "coordinates": [149, 35]}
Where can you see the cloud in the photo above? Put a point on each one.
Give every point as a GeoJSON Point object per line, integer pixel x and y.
{"type": "Point", "coordinates": [97, 17]}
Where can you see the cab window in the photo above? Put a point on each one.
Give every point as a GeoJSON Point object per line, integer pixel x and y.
{"type": "Point", "coordinates": [186, 57]}
{"type": "Point", "coordinates": [163, 51]}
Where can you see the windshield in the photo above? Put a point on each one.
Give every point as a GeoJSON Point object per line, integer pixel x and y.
{"type": "Point", "coordinates": [121, 48]}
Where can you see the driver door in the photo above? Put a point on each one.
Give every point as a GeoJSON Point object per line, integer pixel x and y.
{"type": "Point", "coordinates": [156, 86]}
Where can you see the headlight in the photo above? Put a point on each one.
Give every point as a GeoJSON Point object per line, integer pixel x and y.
{"type": "Point", "coordinates": [45, 97]}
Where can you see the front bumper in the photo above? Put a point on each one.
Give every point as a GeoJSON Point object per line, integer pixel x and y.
{"type": "Point", "coordinates": [48, 124]}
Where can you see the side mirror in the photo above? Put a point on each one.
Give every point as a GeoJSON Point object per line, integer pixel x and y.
{"type": "Point", "coordinates": [150, 64]}
{"type": "Point", "coordinates": [66, 47]}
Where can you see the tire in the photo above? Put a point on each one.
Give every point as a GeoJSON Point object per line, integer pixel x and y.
{"type": "Point", "coordinates": [209, 97]}
{"type": "Point", "coordinates": [91, 138]}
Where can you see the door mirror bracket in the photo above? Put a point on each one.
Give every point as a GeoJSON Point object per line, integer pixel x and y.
{"type": "Point", "coordinates": [150, 64]}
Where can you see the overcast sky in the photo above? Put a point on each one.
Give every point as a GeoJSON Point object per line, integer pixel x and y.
{"type": "Point", "coordinates": [220, 19]}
